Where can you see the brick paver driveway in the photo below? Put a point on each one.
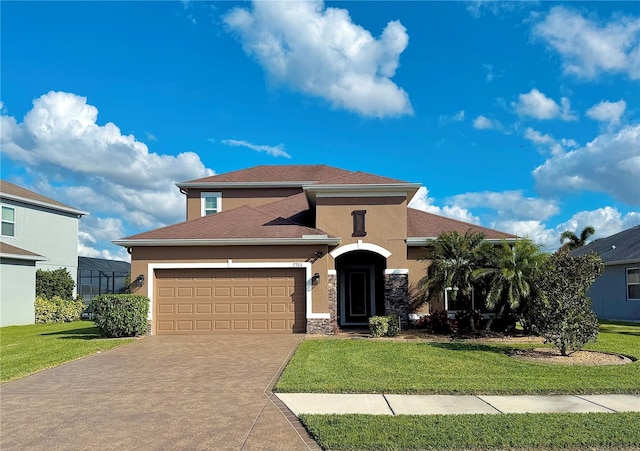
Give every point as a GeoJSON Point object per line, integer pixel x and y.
{"type": "Point", "coordinates": [182, 392]}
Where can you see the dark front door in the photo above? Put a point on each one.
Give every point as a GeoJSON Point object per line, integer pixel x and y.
{"type": "Point", "coordinates": [358, 295]}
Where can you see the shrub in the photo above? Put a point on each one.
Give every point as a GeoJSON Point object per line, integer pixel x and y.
{"type": "Point", "coordinates": [384, 326]}
{"type": "Point", "coordinates": [505, 323]}
{"type": "Point", "coordinates": [468, 320]}
{"type": "Point", "coordinates": [439, 322]}
{"type": "Point", "coordinates": [561, 313]}
{"type": "Point", "coordinates": [57, 310]}
{"type": "Point", "coordinates": [120, 315]}
{"type": "Point", "coordinates": [57, 282]}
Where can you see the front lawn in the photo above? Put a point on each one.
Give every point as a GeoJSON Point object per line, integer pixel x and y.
{"type": "Point", "coordinates": [602, 431]}
{"type": "Point", "coordinates": [372, 366]}
{"type": "Point", "coordinates": [28, 349]}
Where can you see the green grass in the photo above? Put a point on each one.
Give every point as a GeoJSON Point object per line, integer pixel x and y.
{"type": "Point", "coordinates": [28, 349]}
{"type": "Point", "coordinates": [371, 366]}
{"type": "Point", "coordinates": [508, 431]}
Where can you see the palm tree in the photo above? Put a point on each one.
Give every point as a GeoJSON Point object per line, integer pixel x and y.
{"type": "Point", "coordinates": [575, 241]}
{"type": "Point", "coordinates": [510, 275]}
{"type": "Point", "coordinates": [453, 259]}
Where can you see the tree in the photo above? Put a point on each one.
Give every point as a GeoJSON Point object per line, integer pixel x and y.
{"type": "Point", "coordinates": [453, 258]}
{"type": "Point", "coordinates": [561, 312]}
{"type": "Point", "coordinates": [575, 241]}
{"type": "Point", "coordinates": [510, 275]}
{"type": "Point", "coordinates": [57, 282]}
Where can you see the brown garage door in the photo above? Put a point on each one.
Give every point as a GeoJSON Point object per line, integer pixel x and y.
{"type": "Point", "coordinates": [205, 301]}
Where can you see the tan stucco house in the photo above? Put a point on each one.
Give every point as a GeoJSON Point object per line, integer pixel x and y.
{"type": "Point", "coordinates": [282, 249]}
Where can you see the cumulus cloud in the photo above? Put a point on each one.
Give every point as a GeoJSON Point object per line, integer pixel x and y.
{"type": "Point", "coordinates": [484, 123]}
{"type": "Point", "coordinates": [60, 140]}
{"type": "Point", "coordinates": [590, 47]}
{"type": "Point", "coordinates": [548, 142]}
{"type": "Point", "coordinates": [606, 111]}
{"type": "Point", "coordinates": [507, 204]}
{"type": "Point", "coordinates": [274, 151]}
{"type": "Point", "coordinates": [610, 163]}
{"type": "Point", "coordinates": [320, 51]}
{"type": "Point", "coordinates": [422, 201]}
{"type": "Point", "coordinates": [537, 105]}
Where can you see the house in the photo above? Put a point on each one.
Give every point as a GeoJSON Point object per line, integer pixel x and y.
{"type": "Point", "coordinates": [615, 294]}
{"type": "Point", "coordinates": [99, 276]}
{"type": "Point", "coordinates": [281, 249]}
{"type": "Point", "coordinates": [37, 233]}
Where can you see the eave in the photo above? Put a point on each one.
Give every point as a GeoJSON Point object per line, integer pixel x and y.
{"type": "Point", "coordinates": [407, 190]}
{"type": "Point", "coordinates": [25, 200]}
{"type": "Point", "coordinates": [304, 240]}
{"type": "Point", "coordinates": [417, 241]}
{"type": "Point", "coordinates": [222, 185]}
{"type": "Point", "coordinates": [33, 258]}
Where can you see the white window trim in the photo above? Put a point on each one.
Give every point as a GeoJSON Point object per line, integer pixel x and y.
{"type": "Point", "coordinates": [204, 195]}
{"type": "Point", "coordinates": [151, 267]}
{"type": "Point", "coordinates": [360, 246]}
{"type": "Point", "coordinates": [626, 274]}
{"type": "Point", "coordinates": [446, 301]}
{"type": "Point", "coordinates": [9, 222]}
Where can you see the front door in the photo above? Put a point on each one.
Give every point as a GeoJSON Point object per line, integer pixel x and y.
{"type": "Point", "coordinates": [358, 295]}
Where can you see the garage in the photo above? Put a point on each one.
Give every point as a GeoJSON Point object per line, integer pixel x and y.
{"type": "Point", "coordinates": [209, 301]}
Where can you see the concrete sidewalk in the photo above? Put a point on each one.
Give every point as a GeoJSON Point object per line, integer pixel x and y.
{"type": "Point", "coordinates": [379, 404]}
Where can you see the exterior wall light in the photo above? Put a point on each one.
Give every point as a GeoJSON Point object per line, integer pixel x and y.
{"type": "Point", "coordinates": [140, 280]}
{"type": "Point", "coordinates": [316, 278]}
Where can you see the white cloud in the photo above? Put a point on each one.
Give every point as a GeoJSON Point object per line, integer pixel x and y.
{"type": "Point", "coordinates": [548, 142]}
{"type": "Point", "coordinates": [321, 52]}
{"type": "Point", "coordinates": [478, 7]}
{"type": "Point", "coordinates": [274, 151]}
{"type": "Point", "coordinates": [537, 105]}
{"type": "Point", "coordinates": [610, 163]}
{"type": "Point", "coordinates": [445, 119]}
{"type": "Point", "coordinates": [606, 111]}
{"type": "Point", "coordinates": [590, 47]}
{"type": "Point", "coordinates": [507, 204]}
{"type": "Point", "coordinates": [484, 123]}
{"type": "Point", "coordinates": [422, 201]}
{"type": "Point", "coordinates": [114, 176]}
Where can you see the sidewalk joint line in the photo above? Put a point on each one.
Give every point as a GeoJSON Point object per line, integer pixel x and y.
{"type": "Point", "coordinates": [595, 403]}
{"type": "Point", "coordinates": [388, 405]}
{"type": "Point", "coordinates": [489, 404]}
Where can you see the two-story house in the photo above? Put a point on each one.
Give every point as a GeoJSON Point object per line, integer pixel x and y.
{"type": "Point", "coordinates": [281, 249]}
{"type": "Point", "coordinates": [37, 233]}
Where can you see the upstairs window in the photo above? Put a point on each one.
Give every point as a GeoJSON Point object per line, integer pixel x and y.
{"type": "Point", "coordinates": [633, 283]}
{"type": "Point", "coordinates": [211, 203]}
{"type": "Point", "coordinates": [8, 221]}
{"type": "Point", "coordinates": [358, 222]}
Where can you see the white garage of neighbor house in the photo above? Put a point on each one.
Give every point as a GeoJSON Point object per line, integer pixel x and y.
{"type": "Point", "coordinates": [17, 285]}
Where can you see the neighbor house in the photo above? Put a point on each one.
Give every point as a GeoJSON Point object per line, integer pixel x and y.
{"type": "Point", "coordinates": [283, 249]}
{"type": "Point", "coordinates": [616, 292]}
{"type": "Point", "coordinates": [37, 233]}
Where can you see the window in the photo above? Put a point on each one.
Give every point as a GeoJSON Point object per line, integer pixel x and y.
{"type": "Point", "coordinates": [8, 221]}
{"type": "Point", "coordinates": [358, 222]}
{"type": "Point", "coordinates": [633, 283]}
{"type": "Point", "coordinates": [211, 203]}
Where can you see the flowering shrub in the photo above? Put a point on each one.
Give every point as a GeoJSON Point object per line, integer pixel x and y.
{"type": "Point", "coordinates": [57, 310]}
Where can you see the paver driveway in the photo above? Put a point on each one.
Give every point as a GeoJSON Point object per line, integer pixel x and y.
{"type": "Point", "coordinates": [168, 392]}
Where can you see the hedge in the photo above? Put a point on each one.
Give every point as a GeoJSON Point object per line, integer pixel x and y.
{"type": "Point", "coordinates": [57, 310]}
{"type": "Point", "coordinates": [120, 315]}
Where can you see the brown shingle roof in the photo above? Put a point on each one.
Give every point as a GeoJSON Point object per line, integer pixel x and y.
{"type": "Point", "coordinates": [359, 178]}
{"type": "Point", "coordinates": [18, 191]}
{"type": "Point", "coordinates": [242, 222]}
{"type": "Point", "coordinates": [280, 173]}
{"type": "Point", "coordinates": [421, 224]}
{"type": "Point", "coordinates": [294, 208]}
{"type": "Point", "coordinates": [13, 250]}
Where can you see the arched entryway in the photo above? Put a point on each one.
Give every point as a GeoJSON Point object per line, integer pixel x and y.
{"type": "Point", "coordinates": [360, 287]}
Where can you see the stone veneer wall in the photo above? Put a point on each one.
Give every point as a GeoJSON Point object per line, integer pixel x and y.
{"type": "Point", "coordinates": [396, 297]}
{"type": "Point", "coordinates": [327, 326]}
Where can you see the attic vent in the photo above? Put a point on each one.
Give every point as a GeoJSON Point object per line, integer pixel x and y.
{"type": "Point", "coordinates": [358, 222]}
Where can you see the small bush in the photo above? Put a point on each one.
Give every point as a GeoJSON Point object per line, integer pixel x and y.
{"type": "Point", "coordinates": [468, 320]}
{"type": "Point", "coordinates": [57, 310]}
{"type": "Point", "coordinates": [384, 326]}
{"type": "Point", "coordinates": [120, 315]}
{"type": "Point", "coordinates": [57, 282]}
{"type": "Point", "coordinates": [505, 323]}
{"type": "Point", "coordinates": [439, 322]}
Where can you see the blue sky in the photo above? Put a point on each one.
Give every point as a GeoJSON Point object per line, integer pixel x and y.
{"type": "Point", "coordinates": [516, 116]}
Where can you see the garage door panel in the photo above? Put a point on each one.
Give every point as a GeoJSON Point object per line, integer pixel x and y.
{"type": "Point", "coordinates": [229, 300]}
